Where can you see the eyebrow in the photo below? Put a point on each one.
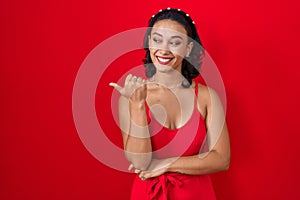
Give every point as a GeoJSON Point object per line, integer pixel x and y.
{"type": "Point", "coordinates": [175, 36]}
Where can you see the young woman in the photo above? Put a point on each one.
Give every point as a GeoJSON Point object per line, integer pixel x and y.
{"type": "Point", "coordinates": [173, 128]}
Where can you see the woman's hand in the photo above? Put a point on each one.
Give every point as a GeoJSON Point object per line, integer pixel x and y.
{"type": "Point", "coordinates": [156, 168]}
{"type": "Point", "coordinates": [135, 88]}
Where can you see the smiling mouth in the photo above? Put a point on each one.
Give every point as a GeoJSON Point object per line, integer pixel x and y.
{"type": "Point", "coordinates": [163, 61]}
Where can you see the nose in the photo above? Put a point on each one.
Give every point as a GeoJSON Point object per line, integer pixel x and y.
{"type": "Point", "coordinates": [164, 49]}
{"type": "Point", "coordinates": [164, 52]}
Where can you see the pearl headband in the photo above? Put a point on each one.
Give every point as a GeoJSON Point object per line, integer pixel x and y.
{"type": "Point", "coordinates": [178, 11]}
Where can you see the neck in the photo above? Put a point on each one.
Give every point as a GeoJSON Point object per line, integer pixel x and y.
{"type": "Point", "coordinates": [171, 79]}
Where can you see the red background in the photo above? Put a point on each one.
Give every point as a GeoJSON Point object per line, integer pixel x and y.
{"type": "Point", "coordinates": [43, 43]}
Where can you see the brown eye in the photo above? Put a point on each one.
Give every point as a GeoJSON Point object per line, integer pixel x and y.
{"type": "Point", "coordinates": [175, 43]}
{"type": "Point", "coordinates": [156, 40]}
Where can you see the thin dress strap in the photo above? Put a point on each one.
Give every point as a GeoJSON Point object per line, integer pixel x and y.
{"type": "Point", "coordinates": [196, 94]}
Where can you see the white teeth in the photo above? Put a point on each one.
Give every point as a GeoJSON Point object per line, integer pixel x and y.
{"type": "Point", "coordinates": [164, 59]}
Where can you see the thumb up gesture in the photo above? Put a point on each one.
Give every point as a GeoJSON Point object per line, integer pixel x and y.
{"type": "Point", "coordinates": [135, 88]}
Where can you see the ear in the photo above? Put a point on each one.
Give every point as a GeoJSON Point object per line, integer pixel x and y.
{"type": "Point", "coordinates": [189, 49]}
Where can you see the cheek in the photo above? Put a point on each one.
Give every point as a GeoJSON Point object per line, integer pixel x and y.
{"type": "Point", "coordinates": [153, 51]}
{"type": "Point", "coordinates": [179, 59]}
{"type": "Point", "coordinates": [152, 54]}
{"type": "Point", "coordinates": [179, 52]}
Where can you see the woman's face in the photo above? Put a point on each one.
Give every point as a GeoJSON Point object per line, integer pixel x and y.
{"type": "Point", "coordinates": [168, 45]}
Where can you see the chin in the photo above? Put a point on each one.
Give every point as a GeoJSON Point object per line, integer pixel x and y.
{"type": "Point", "coordinates": [163, 68]}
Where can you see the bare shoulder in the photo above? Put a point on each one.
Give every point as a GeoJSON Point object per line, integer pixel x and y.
{"type": "Point", "coordinates": [203, 94]}
{"type": "Point", "coordinates": [206, 96]}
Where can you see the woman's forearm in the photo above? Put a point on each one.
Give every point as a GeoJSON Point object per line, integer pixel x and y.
{"type": "Point", "coordinates": [138, 144]}
{"type": "Point", "coordinates": [195, 165]}
{"type": "Point", "coordinates": [218, 159]}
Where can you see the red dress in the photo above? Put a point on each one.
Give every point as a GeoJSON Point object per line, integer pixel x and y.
{"type": "Point", "coordinates": [185, 141]}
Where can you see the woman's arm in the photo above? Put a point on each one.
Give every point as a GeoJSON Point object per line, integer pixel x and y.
{"type": "Point", "coordinates": [217, 159]}
{"type": "Point", "coordinates": [136, 137]}
{"type": "Point", "coordinates": [133, 122]}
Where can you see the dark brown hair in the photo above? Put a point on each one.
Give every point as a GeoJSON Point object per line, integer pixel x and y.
{"type": "Point", "coordinates": [190, 65]}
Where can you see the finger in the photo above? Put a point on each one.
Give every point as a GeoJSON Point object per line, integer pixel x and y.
{"type": "Point", "coordinates": [134, 78]}
{"type": "Point", "coordinates": [116, 86]}
{"type": "Point", "coordinates": [128, 77]}
{"type": "Point", "coordinates": [145, 82]}
{"type": "Point", "coordinates": [139, 80]}
{"type": "Point", "coordinates": [130, 167]}
{"type": "Point", "coordinates": [137, 171]}
{"type": "Point", "coordinates": [148, 82]}
{"type": "Point", "coordinates": [143, 177]}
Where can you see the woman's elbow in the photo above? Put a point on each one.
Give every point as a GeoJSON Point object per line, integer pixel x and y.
{"type": "Point", "coordinates": [141, 165]}
{"type": "Point", "coordinates": [141, 161]}
{"type": "Point", "coordinates": [222, 162]}
{"type": "Point", "coordinates": [225, 163]}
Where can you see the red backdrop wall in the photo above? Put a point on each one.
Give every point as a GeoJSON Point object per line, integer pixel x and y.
{"type": "Point", "coordinates": [43, 43]}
